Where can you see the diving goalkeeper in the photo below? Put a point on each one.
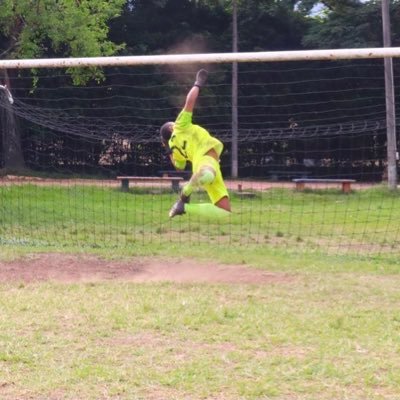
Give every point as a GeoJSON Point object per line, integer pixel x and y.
{"type": "Point", "coordinates": [185, 142]}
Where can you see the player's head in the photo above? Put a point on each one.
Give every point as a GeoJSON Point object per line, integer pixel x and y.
{"type": "Point", "coordinates": [166, 132]}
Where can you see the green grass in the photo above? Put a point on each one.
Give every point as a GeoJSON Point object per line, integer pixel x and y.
{"type": "Point", "coordinates": [363, 222]}
{"type": "Point", "coordinates": [330, 329]}
{"type": "Point", "coordinates": [315, 336]}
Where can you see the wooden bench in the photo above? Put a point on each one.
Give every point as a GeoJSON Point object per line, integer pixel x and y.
{"type": "Point", "coordinates": [171, 173]}
{"type": "Point", "coordinates": [275, 175]}
{"type": "Point", "coordinates": [174, 180]}
{"type": "Point", "coordinates": [346, 183]}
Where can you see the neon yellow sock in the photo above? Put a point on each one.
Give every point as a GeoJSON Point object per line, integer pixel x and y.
{"type": "Point", "coordinates": [187, 189]}
{"type": "Point", "coordinates": [206, 210]}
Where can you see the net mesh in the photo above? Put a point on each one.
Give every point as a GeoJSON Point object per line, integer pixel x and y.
{"type": "Point", "coordinates": [312, 120]}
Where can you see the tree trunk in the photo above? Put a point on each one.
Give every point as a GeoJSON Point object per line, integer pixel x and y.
{"type": "Point", "coordinates": [12, 155]}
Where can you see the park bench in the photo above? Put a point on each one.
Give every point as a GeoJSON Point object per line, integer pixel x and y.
{"type": "Point", "coordinates": [170, 173]}
{"type": "Point", "coordinates": [346, 183]}
{"type": "Point", "coordinates": [125, 180]}
{"type": "Point", "coordinates": [276, 175]}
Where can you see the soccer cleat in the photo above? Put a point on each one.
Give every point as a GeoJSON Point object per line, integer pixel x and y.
{"type": "Point", "coordinates": [177, 209]}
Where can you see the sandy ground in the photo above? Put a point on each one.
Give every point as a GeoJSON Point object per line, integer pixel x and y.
{"type": "Point", "coordinates": [84, 268]}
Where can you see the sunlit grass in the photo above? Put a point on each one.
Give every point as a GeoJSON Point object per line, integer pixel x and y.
{"type": "Point", "coordinates": [312, 337]}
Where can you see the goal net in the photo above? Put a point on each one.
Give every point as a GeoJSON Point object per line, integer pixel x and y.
{"type": "Point", "coordinates": [64, 145]}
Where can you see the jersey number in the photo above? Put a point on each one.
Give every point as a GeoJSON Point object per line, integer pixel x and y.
{"type": "Point", "coordinates": [182, 150]}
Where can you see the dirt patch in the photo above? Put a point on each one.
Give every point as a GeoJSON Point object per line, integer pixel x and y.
{"type": "Point", "coordinates": [79, 268]}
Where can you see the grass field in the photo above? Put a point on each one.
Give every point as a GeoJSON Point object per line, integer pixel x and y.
{"type": "Point", "coordinates": [365, 221]}
{"type": "Point", "coordinates": [315, 335]}
{"type": "Point", "coordinates": [329, 329]}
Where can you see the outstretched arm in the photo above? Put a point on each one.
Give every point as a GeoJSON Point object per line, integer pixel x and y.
{"type": "Point", "coordinates": [201, 78]}
{"type": "Point", "coordinates": [191, 98]}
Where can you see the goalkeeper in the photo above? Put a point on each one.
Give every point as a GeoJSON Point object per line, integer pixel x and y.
{"type": "Point", "coordinates": [185, 142]}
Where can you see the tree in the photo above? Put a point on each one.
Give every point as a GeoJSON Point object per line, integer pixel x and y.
{"type": "Point", "coordinates": [45, 28]}
{"type": "Point", "coordinates": [345, 24]}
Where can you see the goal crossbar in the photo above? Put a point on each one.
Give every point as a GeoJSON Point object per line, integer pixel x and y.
{"type": "Point", "coordinates": [263, 56]}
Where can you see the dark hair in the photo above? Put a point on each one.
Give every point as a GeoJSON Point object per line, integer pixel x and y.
{"type": "Point", "coordinates": [166, 131]}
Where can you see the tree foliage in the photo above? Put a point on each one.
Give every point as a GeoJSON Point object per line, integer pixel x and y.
{"type": "Point", "coordinates": [346, 24]}
{"type": "Point", "coordinates": [65, 28]}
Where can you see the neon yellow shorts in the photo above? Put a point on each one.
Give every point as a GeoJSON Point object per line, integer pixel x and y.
{"type": "Point", "coordinates": [217, 189]}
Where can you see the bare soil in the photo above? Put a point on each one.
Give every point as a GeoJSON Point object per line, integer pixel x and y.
{"type": "Point", "coordinates": [69, 268]}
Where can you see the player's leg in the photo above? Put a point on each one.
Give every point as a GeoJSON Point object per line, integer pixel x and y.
{"type": "Point", "coordinates": [218, 210]}
{"type": "Point", "coordinates": [208, 210]}
{"type": "Point", "coordinates": [205, 170]}
{"type": "Point", "coordinates": [220, 204]}
{"type": "Point", "coordinates": [224, 203]}
{"type": "Point", "coordinates": [204, 176]}
{"type": "Point", "coordinates": [209, 176]}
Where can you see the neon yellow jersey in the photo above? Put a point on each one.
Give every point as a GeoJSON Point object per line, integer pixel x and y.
{"type": "Point", "coordinates": [189, 142]}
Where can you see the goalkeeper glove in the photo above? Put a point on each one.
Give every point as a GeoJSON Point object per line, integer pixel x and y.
{"type": "Point", "coordinates": [201, 78]}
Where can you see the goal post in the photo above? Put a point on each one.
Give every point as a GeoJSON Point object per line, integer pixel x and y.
{"type": "Point", "coordinates": [207, 58]}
